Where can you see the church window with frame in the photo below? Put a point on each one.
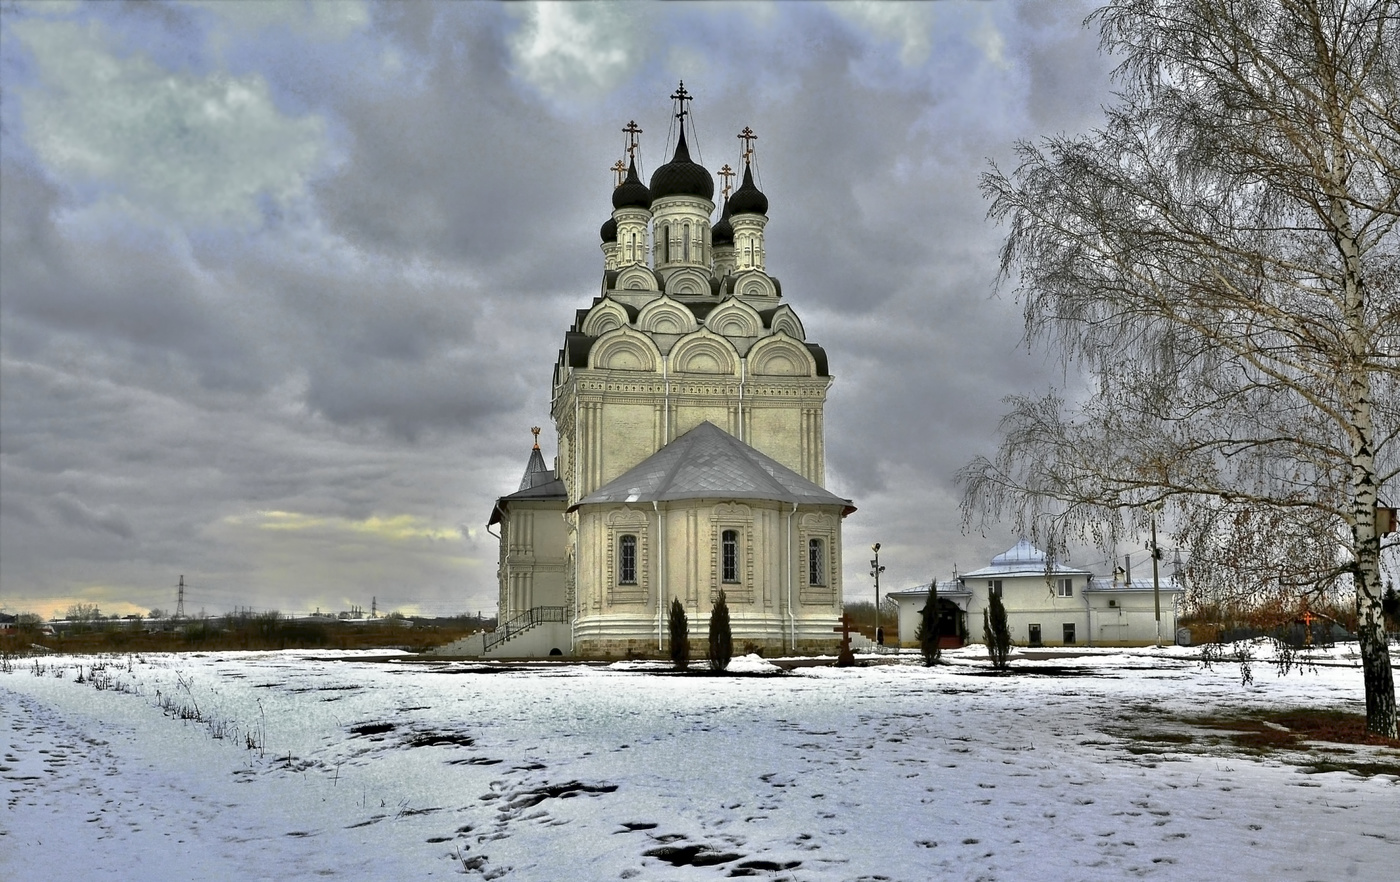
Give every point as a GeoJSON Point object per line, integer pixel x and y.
{"type": "Point", "coordinates": [627, 559]}
{"type": "Point", "coordinates": [816, 562]}
{"type": "Point", "coordinates": [666, 243]}
{"type": "Point", "coordinates": [685, 233]}
{"type": "Point", "coordinates": [1064, 587]}
{"type": "Point", "coordinates": [994, 587]}
{"type": "Point", "coordinates": [729, 557]}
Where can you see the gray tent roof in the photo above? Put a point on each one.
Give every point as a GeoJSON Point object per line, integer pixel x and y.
{"type": "Point", "coordinates": [709, 463]}
{"type": "Point", "coordinates": [538, 483]}
{"type": "Point", "coordinates": [1023, 559]}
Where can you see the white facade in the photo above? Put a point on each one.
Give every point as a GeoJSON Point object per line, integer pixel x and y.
{"type": "Point", "coordinates": [1056, 605]}
{"type": "Point", "coordinates": [690, 338]}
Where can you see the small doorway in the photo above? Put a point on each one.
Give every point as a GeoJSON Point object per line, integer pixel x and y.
{"type": "Point", "coordinates": [1069, 633]}
{"type": "Point", "coordinates": [1035, 635]}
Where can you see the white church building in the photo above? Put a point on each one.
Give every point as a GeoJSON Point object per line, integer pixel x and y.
{"type": "Point", "coordinates": [1047, 604]}
{"type": "Point", "coordinates": [688, 408]}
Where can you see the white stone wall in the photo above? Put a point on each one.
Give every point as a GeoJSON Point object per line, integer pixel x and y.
{"type": "Point", "coordinates": [678, 555]}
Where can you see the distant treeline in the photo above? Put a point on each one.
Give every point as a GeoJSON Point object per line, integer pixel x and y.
{"type": "Point", "coordinates": [252, 631]}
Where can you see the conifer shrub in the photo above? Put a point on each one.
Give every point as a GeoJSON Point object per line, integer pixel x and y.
{"type": "Point", "coordinates": [928, 635]}
{"type": "Point", "coordinates": [680, 635]}
{"type": "Point", "coordinates": [721, 637]}
{"type": "Point", "coordinates": [996, 632]}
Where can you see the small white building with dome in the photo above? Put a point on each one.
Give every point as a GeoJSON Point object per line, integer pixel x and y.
{"type": "Point", "coordinates": [1048, 603]}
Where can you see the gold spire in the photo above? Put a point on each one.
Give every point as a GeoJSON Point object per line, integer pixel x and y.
{"type": "Point", "coordinates": [536, 430]}
{"type": "Point", "coordinates": [631, 130]}
{"type": "Point", "coordinates": [748, 137]}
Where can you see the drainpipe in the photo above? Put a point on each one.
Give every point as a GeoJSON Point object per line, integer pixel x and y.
{"type": "Point", "coordinates": [1088, 610]}
{"type": "Point", "coordinates": [660, 573]}
{"type": "Point", "coordinates": [743, 378]}
{"type": "Point", "coordinates": [792, 619]}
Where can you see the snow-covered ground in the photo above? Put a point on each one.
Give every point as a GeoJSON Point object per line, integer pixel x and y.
{"type": "Point", "coordinates": [367, 769]}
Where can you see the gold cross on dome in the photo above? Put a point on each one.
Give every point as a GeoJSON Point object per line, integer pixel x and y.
{"type": "Point", "coordinates": [726, 174]}
{"type": "Point", "coordinates": [682, 96]}
{"type": "Point", "coordinates": [632, 131]}
{"type": "Point", "coordinates": [618, 170]}
{"type": "Point", "coordinates": [748, 137]}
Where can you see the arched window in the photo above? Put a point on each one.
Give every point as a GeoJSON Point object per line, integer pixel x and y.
{"type": "Point", "coordinates": [666, 239]}
{"type": "Point", "coordinates": [627, 559]}
{"type": "Point", "coordinates": [685, 247]}
{"type": "Point", "coordinates": [729, 556]}
{"type": "Point", "coordinates": [816, 562]}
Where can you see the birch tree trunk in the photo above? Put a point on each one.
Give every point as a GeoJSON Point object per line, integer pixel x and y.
{"type": "Point", "coordinates": [1220, 262]}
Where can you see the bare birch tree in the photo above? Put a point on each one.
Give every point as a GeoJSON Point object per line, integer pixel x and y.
{"type": "Point", "coordinates": [1220, 261]}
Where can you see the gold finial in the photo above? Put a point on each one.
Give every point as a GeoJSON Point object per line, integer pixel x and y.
{"type": "Point", "coordinates": [748, 137]}
{"type": "Point", "coordinates": [618, 170]}
{"type": "Point", "coordinates": [536, 430]}
{"type": "Point", "coordinates": [726, 174]}
{"type": "Point", "coordinates": [632, 131]}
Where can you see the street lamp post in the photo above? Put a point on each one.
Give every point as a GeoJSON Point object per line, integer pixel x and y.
{"type": "Point", "coordinates": [1156, 583]}
{"type": "Point", "coordinates": [876, 570]}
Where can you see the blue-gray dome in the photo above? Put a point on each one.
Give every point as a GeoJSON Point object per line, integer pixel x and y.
{"type": "Point", "coordinates": [631, 193]}
{"type": "Point", "coordinates": [681, 176]}
{"type": "Point", "coordinates": [748, 199]}
{"type": "Point", "coordinates": [722, 233]}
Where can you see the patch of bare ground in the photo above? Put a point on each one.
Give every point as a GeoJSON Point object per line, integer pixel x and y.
{"type": "Point", "coordinates": [1314, 739]}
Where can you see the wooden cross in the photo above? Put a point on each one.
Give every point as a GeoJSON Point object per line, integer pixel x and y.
{"type": "Point", "coordinates": [632, 131]}
{"type": "Point", "coordinates": [618, 170]}
{"type": "Point", "coordinates": [682, 96]}
{"type": "Point", "coordinates": [846, 658]}
{"type": "Point", "coordinates": [748, 137]}
{"type": "Point", "coordinates": [726, 174]}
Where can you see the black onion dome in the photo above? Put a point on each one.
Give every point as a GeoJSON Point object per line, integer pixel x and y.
{"type": "Point", "coordinates": [631, 193]}
{"type": "Point", "coordinates": [681, 176]}
{"type": "Point", "coordinates": [748, 199]}
{"type": "Point", "coordinates": [609, 231]}
{"type": "Point", "coordinates": [722, 233]}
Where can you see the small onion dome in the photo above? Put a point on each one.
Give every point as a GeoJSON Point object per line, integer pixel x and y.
{"type": "Point", "coordinates": [631, 193]}
{"type": "Point", "coordinates": [681, 176]}
{"type": "Point", "coordinates": [748, 199]}
{"type": "Point", "coordinates": [609, 231]}
{"type": "Point", "coordinates": [722, 233]}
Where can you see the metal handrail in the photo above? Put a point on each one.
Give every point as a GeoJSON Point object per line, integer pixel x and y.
{"type": "Point", "coordinates": [523, 622]}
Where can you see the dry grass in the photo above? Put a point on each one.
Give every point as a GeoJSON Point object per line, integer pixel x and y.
{"type": "Point", "coordinates": [1315, 739]}
{"type": "Point", "coordinates": [207, 637]}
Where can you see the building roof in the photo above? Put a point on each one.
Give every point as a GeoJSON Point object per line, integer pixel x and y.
{"type": "Point", "coordinates": [1167, 585]}
{"type": "Point", "coordinates": [536, 472]}
{"type": "Point", "coordinates": [1023, 559]}
{"type": "Point", "coordinates": [748, 199]}
{"type": "Point", "coordinates": [722, 233]}
{"type": "Point", "coordinates": [709, 463]}
{"type": "Point", "coordinates": [538, 484]}
{"type": "Point", "coordinates": [947, 588]}
{"type": "Point", "coordinates": [681, 176]}
{"type": "Point", "coordinates": [631, 193]}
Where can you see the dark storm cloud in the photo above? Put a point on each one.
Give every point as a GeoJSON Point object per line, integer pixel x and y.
{"type": "Point", "coordinates": [291, 414]}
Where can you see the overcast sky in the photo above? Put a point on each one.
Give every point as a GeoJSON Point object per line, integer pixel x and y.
{"type": "Point", "coordinates": [283, 283]}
